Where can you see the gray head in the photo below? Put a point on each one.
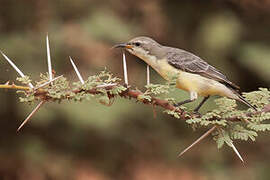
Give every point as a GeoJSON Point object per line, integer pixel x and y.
{"type": "Point", "coordinates": [141, 46]}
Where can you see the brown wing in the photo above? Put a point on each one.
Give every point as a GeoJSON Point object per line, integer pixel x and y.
{"type": "Point", "coordinates": [188, 62]}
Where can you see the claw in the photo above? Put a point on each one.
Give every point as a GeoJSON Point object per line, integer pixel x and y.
{"type": "Point", "coordinates": [197, 113]}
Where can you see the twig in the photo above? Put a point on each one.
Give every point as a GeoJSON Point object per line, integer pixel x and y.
{"type": "Point", "coordinates": [49, 58]}
{"type": "Point", "coordinates": [16, 68]}
{"type": "Point", "coordinates": [266, 108]}
{"type": "Point", "coordinates": [76, 70]}
{"type": "Point", "coordinates": [129, 93]}
{"type": "Point", "coordinates": [106, 85]}
{"type": "Point", "coordinates": [48, 82]}
{"type": "Point", "coordinates": [13, 86]}
{"type": "Point", "coordinates": [198, 140]}
{"type": "Point", "coordinates": [30, 115]}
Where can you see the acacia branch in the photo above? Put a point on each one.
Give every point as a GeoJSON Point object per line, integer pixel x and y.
{"type": "Point", "coordinates": [265, 109]}
{"type": "Point", "coordinates": [13, 86]}
{"type": "Point", "coordinates": [42, 94]}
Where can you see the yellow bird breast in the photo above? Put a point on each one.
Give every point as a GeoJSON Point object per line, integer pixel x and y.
{"type": "Point", "coordinates": [193, 82]}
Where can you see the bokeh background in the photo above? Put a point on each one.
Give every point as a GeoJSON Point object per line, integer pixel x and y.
{"type": "Point", "coordinates": [90, 141]}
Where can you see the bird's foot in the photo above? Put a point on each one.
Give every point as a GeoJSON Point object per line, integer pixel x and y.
{"type": "Point", "coordinates": [176, 105]}
{"type": "Point", "coordinates": [197, 113]}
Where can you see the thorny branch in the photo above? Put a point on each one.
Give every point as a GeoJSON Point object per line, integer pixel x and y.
{"type": "Point", "coordinates": [41, 94]}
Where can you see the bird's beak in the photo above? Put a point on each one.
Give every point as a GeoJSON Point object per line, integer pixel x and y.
{"type": "Point", "coordinates": [122, 45]}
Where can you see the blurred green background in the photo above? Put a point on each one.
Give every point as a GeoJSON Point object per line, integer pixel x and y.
{"type": "Point", "coordinates": [89, 141]}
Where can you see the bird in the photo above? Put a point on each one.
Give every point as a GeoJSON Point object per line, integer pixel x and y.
{"type": "Point", "coordinates": [191, 72]}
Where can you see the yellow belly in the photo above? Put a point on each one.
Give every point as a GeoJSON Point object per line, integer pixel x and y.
{"type": "Point", "coordinates": [188, 81]}
{"type": "Point", "coordinates": [193, 82]}
{"type": "Point", "coordinates": [203, 86]}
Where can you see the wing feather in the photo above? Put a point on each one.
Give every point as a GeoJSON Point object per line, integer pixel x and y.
{"type": "Point", "coordinates": [189, 62]}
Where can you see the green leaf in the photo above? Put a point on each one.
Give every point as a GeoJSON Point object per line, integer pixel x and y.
{"type": "Point", "coordinates": [259, 127]}
{"type": "Point", "coordinates": [223, 137]}
{"type": "Point", "coordinates": [143, 97]}
{"type": "Point", "coordinates": [117, 90]}
{"type": "Point", "coordinates": [259, 98]}
{"type": "Point", "coordinates": [225, 104]}
{"type": "Point", "coordinates": [157, 89]}
{"type": "Point", "coordinates": [173, 113]}
{"type": "Point", "coordinates": [194, 120]}
{"type": "Point", "coordinates": [239, 132]}
{"type": "Point", "coordinates": [24, 80]}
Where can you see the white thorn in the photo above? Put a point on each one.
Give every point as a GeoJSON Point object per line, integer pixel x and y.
{"type": "Point", "coordinates": [49, 58]}
{"type": "Point", "coordinates": [16, 68]}
{"type": "Point", "coordinates": [198, 140]}
{"type": "Point", "coordinates": [148, 75]}
{"type": "Point", "coordinates": [236, 151]}
{"type": "Point", "coordinates": [76, 70]}
{"type": "Point", "coordinates": [125, 69]}
{"type": "Point", "coordinates": [106, 85]}
{"type": "Point", "coordinates": [48, 82]}
{"type": "Point", "coordinates": [30, 115]}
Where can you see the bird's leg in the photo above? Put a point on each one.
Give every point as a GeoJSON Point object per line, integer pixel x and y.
{"type": "Point", "coordinates": [193, 97]}
{"type": "Point", "coordinates": [196, 110]}
{"type": "Point", "coordinates": [183, 102]}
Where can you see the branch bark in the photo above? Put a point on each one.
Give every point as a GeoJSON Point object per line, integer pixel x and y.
{"type": "Point", "coordinates": [41, 94]}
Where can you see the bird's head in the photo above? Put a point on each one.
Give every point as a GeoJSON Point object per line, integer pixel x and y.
{"type": "Point", "coordinates": [142, 47]}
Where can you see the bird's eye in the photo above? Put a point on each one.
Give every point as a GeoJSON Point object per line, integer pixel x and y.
{"type": "Point", "coordinates": [137, 44]}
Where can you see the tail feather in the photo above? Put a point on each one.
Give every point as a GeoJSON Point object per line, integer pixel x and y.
{"type": "Point", "coordinates": [241, 99]}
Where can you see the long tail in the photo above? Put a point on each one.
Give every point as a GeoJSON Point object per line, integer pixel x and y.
{"type": "Point", "coordinates": [241, 99]}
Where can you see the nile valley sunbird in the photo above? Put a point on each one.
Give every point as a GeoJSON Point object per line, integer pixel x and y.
{"type": "Point", "coordinates": [193, 74]}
